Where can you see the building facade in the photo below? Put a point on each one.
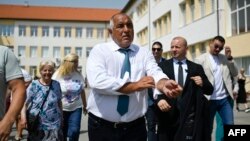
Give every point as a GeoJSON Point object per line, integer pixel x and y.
{"type": "Point", "coordinates": [196, 20]}
{"type": "Point", "coordinates": [37, 33]}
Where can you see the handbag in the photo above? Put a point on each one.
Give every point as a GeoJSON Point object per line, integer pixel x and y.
{"type": "Point", "coordinates": [33, 120]}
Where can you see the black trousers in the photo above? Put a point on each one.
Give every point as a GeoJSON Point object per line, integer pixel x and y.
{"type": "Point", "coordinates": [102, 130]}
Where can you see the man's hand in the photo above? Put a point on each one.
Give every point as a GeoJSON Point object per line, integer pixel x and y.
{"type": "Point", "coordinates": [5, 130]}
{"type": "Point", "coordinates": [235, 95]}
{"type": "Point", "coordinates": [144, 83]}
{"type": "Point", "coordinates": [197, 80]}
{"type": "Point", "coordinates": [85, 111]}
{"type": "Point", "coordinates": [228, 53]}
{"type": "Point", "coordinates": [163, 105]}
{"type": "Point", "coordinates": [18, 97]}
{"type": "Point", "coordinates": [169, 87]}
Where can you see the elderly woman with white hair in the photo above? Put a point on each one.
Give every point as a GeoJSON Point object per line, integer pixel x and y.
{"type": "Point", "coordinates": [44, 100]}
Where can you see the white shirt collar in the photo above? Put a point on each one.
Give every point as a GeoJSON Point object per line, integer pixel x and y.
{"type": "Point", "coordinates": [184, 61]}
{"type": "Point", "coordinates": [115, 47]}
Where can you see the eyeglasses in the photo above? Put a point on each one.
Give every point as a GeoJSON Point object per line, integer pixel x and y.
{"type": "Point", "coordinates": [217, 46]}
{"type": "Point", "coordinates": [154, 49]}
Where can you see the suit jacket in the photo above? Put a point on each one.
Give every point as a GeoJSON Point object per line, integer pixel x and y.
{"type": "Point", "coordinates": [171, 119]}
{"type": "Point", "coordinates": [229, 70]}
{"type": "Point", "coordinates": [199, 130]}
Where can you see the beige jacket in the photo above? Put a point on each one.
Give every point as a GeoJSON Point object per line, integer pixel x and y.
{"type": "Point", "coordinates": [228, 68]}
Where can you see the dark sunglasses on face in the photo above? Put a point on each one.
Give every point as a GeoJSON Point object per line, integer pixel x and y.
{"type": "Point", "coordinates": [217, 46]}
{"type": "Point", "coordinates": [154, 49]}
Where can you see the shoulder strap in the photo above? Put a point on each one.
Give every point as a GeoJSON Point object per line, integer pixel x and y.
{"type": "Point", "coordinates": [47, 93]}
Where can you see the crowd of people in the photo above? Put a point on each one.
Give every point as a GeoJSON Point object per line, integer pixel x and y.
{"type": "Point", "coordinates": [135, 93]}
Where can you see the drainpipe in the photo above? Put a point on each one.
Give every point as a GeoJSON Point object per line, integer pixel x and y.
{"type": "Point", "coordinates": [218, 18]}
{"type": "Point", "coordinates": [149, 25]}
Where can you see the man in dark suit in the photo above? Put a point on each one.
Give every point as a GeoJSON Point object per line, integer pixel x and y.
{"type": "Point", "coordinates": [182, 119]}
{"type": "Point", "coordinates": [151, 116]}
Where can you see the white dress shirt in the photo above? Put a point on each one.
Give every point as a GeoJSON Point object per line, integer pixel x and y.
{"type": "Point", "coordinates": [103, 72]}
{"type": "Point", "coordinates": [185, 69]}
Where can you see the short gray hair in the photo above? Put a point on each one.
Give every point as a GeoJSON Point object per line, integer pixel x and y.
{"type": "Point", "coordinates": [46, 62]}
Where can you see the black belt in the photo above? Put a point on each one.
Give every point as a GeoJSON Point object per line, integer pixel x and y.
{"type": "Point", "coordinates": [104, 122]}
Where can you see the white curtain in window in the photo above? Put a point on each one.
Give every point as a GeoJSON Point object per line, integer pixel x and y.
{"type": "Point", "coordinates": [56, 52]}
{"type": "Point", "coordinates": [33, 51]}
{"type": "Point", "coordinates": [45, 52]}
{"type": "Point", "coordinates": [79, 51]}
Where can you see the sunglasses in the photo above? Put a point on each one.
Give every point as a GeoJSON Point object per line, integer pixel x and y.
{"type": "Point", "coordinates": [217, 46]}
{"type": "Point", "coordinates": [154, 49]}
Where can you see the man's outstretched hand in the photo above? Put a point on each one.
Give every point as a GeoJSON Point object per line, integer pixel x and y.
{"type": "Point", "coordinates": [169, 87]}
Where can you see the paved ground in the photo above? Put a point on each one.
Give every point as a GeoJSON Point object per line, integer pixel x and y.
{"type": "Point", "coordinates": [240, 118]}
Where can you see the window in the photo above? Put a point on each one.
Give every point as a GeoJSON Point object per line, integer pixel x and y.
{"type": "Point", "coordinates": [56, 52]}
{"type": "Point", "coordinates": [100, 32]}
{"type": "Point", "coordinates": [78, 32]}
{"type": "Point", "coordinates": [21, 51]}
{"type": "Point", "coordinates": [203, 48]}
{"type": "Point", "coordinates": [22, 30]}
{"type": "Point", "coordinates": [2, 33]}
{"type": "Point", "coordinates": [33, 31]}
{"type": "Point", "coordinates": [79, 51]}
{"type": "Point", "coordinates": [202, 6]}
{"type": "Point", "coordinates": [240, 16]}
{"type": "Point", "coordinates": [67, 50]}
{"type": "Point", "coordinates": [56, 31]}
{"type": "Point", "coordinates": [243, 62]}
{"type": "Point", "coordinates": [242, 21]}
{"type": "Point", "coordinates": [241, 3]}
{"type": "Point", "coordinates": [45, 52]}
{"type": "Point", "coordinates": [6, 30]}
{"type": "Point", "coordinates": [234, 23]}
{"type": "Point", "coordinates": [192, 9]}
{"type": "Point", "coordinates": [143, 36]}
{"type": "Point", "coordinates": [142, 8]}
{"type": "Point", "coordinates": [33, 51]}
{"type": "Point", "coordinates": [193, 52]}
{"type": "Point", "coordinates": [88, 49]}
{"type": "Point", "coordinates": [183, 14]}
{"type": "Point", "coordinates": [212, 5]}
{"type": "Point", "coordinates": [89, 32]}
{"type": "Point", "coordinates": [248, 18]}
{"type": "Point", "coordinates": [45, 31]}
{"type": "Point", "coordinates": [162, 26]}
{"type": "Point", "coordinates": [33, 71]}
{"type": "Point", "coordinates": [67, 32]}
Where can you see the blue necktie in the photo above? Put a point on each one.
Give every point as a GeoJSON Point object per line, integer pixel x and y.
{"type": "Point", "coordinates": [123, 100]}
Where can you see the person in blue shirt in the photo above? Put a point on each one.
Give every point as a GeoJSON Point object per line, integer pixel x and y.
{"type": "Point", "coordinates": [50, 115]}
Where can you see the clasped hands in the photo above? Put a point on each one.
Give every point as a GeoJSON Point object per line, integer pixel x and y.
{"type": "Point", "coordinates": [168, 87]}
{"type": "Point", "coordinates": [171, 89]}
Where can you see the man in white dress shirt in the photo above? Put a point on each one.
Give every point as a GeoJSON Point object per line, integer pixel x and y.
{"type": "Point", "coordinates": [104, 76]}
